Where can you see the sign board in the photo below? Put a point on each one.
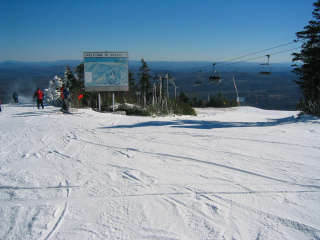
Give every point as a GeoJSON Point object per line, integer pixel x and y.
{"type": "Point", "coordinates": [105, 71]}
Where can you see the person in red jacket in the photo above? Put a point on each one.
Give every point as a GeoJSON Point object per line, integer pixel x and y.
{"type": "Point", "coordinates": [39, 95]}
{"type": "Point", "coordinates": [61, 92]}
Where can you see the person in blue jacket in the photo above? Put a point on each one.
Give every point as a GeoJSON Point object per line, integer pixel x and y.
{"type": "Point", "coordinates": [66, 99]}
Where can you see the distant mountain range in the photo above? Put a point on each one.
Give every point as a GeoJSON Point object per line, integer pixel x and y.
{"type": "Point", "coordinates": [21, 64]}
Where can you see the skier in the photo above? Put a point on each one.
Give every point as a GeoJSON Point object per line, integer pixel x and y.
{"type": "Point", "coordinates": [39, 95]}
{"type": "Point", "coordinates": [15, 97]}
{"type": "Point", "coordinates": [0, 105]}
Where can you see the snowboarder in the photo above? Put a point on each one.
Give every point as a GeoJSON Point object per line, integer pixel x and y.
{"type": "Point", "coordinates": [15, 97]}
{"type": "Point", "coordinates": [61, 92]}
{"type": "Point", "coordinates": [0, 106]}
{"type": "Point", "coordinates": [62, 98]}
{"type": "Point", "coordinates": [39, 95]}
{"type": "Point", "coordinates": [65, 99]}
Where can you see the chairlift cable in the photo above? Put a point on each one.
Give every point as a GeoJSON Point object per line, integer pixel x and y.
{"type": "Point", "coordinates": [230, 61]}
{"type": "Point", "coordinates": [260, 51]}
{"type": "Point", "coordinates": [262, 56]}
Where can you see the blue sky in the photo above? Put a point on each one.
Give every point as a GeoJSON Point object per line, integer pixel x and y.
{"type": "Point", "coordinates": [169, 30]}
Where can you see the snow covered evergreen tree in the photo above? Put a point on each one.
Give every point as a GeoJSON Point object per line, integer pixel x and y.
{"type": "Point", "coordinates": [52, 93]}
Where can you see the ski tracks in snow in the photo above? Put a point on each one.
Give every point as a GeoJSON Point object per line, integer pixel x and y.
{"type": "Point", "coordinates": [313, 232]}
{"type": "Point", "coordinates": [118, 168]}
{"type": "Point", "coordinates": [228, 228]}
{"type": "Point", "coordinates": [185, 158]}
{"type": "Point", "coordinates": [60, 217]}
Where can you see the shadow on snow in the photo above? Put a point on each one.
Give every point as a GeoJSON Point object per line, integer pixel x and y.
{"type": "Point", "coordinates": [200, 124]}
{"type": "Point", "coordinates": [38, 112]}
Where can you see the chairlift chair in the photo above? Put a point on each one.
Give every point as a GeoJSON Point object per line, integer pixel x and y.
{"type": "Point", "coordinates": [266, 66]}
{"type": "Point", "coordinates": [214, 77]}
{"type": "Point", "coordinates": [199, 78]}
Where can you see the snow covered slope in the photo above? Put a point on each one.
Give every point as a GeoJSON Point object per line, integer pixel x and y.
{"type": "Point", "coordinates": [238, 173]}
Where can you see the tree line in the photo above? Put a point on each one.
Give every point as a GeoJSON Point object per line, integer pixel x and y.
{"type": "Point", "coordinates": [143, 95]}
{"type": "Point", "coordinates": [307, 65]}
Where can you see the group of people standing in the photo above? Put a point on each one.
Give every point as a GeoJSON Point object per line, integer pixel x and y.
{"type": "Point", "coordinates": [64, 94]}
{"type": "Point", "coordinates": [39, 96]}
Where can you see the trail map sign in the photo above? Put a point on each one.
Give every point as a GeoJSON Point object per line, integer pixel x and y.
{"type": "Point", "coordinates": [105, 71]}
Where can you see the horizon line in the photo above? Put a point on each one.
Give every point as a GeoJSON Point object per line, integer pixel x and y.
{"type": "Point", "coordinates": [177, 61]}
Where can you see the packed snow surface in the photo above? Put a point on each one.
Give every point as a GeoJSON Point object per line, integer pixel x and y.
{"type": "Point", "coordinates": [237, 173]}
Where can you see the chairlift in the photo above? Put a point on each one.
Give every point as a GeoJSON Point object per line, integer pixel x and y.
{"type": "Point", "coordinates": [199, 79]}
{"type": "Point", "coordinates": [266, 66]}
{"type": "Point", "coordinates": [197, 83]}
{"type": "Point", "coordinates": [214, 77]}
